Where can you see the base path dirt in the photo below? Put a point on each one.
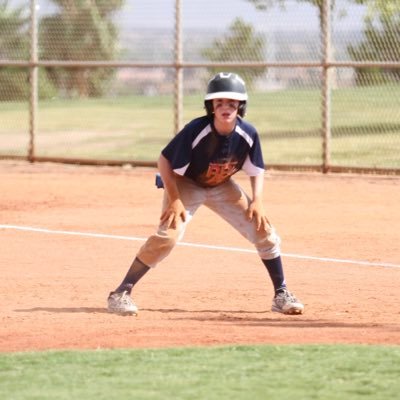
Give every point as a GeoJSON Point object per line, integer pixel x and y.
{"type": "Point", "coordinates": [68, 235]}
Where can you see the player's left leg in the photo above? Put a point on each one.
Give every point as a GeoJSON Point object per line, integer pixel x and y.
{"type": "Point", "coordinates": [231, 203]}
{"type": "Point", "coordinates": [155, 249]}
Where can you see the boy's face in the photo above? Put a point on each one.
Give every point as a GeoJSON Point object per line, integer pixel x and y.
{"type": "Point", "coordinates": [225, 110]}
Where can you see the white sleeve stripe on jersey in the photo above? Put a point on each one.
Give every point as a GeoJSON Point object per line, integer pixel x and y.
{"type": "Point", "coordinates": [181, 171]}
{"type": "Point", "coordinates": [250, 169]}
{"type": "Point", "coordinates": [245, 136]}
{"type": "Point", "coordinates": [201, 135]}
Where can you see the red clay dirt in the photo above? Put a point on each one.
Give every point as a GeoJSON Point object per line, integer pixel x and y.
{"type": "Point", "coordinates": [54, 284]}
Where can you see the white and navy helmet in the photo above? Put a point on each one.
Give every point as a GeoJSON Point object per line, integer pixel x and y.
{"type": "Point", "coordinates": [226, 85]}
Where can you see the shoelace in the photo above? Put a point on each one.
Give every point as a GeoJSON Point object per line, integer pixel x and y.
{"type": "Point", "coordinates": [125, 299]}
{"type": "Point", "coordinates": [286, 295]}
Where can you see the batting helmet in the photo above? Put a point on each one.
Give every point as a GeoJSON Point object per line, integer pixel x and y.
{"type": "Point", "coordinates": [226, 85]}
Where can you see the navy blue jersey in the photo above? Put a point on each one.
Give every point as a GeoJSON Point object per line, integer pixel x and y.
{"type": "Point", "coordinates": [201, 154]}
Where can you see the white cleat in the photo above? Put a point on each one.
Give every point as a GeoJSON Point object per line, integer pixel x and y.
{"type": "Point", "coordinates": [286, 303]}
{"type": "Point", "coordinates": [121, 303]}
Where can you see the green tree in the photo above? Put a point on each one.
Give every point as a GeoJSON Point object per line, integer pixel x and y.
{"type": "Point", "coordinates": [378, 7]}
{"type": "Point", "coordinates": [13, 46]}
{"type": "Point", "coordinates": [80, 31]}
{"type": "Point", "coordinates": [381, 39]}
{"type": "Point", "coordinates": [264, 5]}
{"type": "Point", "coordinates": [375, 7]}
{"type": "Point", "coordinates": [241, 44]}
{"type": "Point", "coordinates": [381, 43]}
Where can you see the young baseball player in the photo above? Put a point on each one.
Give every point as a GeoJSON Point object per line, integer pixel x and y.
{"type": "Point", "coordinates": [196, 168]}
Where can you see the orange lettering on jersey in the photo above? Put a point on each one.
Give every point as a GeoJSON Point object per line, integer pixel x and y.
{"type": "Point", "coordinates": [218, 173]}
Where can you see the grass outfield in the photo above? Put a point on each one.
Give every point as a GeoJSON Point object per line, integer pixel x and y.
{"type": "Point", "coordinates": [240, 372]}
{"type": "Point", "coordinates": [365, 126]}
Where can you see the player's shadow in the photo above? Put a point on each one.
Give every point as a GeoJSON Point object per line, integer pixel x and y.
{"type": "Point", "coordinates": [98, 310]}
{"type": "Point", "coordinates": [237, 317]}
{"type": "Point", "coordinates": [249, 318]}
{"type": "Point", "coordinates": [86, 310]}
{"type": "Point", "coordinates": [179, 310]}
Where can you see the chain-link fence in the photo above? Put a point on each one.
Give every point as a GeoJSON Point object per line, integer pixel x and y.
{"type": "Point", "coordinates": [112, 81]}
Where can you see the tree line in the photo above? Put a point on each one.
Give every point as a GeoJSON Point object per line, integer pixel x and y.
{"type": "Point", "coordinates": [81, 30]}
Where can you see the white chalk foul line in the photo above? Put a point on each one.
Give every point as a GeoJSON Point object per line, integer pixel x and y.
{"type": "Point", "coordinates": [198, 245]}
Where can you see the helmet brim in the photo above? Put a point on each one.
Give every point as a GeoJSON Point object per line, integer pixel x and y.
{"type": "Point", "coordinates": [226, 95]}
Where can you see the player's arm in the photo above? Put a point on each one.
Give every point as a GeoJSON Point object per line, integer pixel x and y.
{"type": "Point", "coordinates": [175, 209]}
{"type": "Point", "coordinates": [256, 207]}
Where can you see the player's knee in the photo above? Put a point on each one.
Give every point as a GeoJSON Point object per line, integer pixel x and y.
{"type": "Point", "coordinates": [155, 250]}
{"type": "Point", "coordinates": [268, 245]}
{"type": "Point", "coordinates": [168, 244]}
{"type": "Point", "coordinates": [269, 253]}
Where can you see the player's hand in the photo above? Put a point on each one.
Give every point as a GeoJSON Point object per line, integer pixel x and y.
{"type": "Point", "coordinates": [256, 211]}
{"type": "Point", "coordinates": [173, 214]}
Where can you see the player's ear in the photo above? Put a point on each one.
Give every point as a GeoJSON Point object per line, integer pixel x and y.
{"type": "Point", "coordinates": [209, 107]}
{"type": "Point", "coordinates": [242, 108]}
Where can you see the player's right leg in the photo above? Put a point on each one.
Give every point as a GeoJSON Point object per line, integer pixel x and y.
{"type": "Point", "coordinates": [119, 300]}
{"type": "Point", "coordinates": [231, 203]}
{"type": "Point", "coordinates": [155, 249]}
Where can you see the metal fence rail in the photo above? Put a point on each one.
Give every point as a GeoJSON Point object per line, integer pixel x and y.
{"type": "Point", "coordinates": [321, 100]}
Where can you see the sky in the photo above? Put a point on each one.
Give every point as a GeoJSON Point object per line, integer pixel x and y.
{"type": "Point", "coordinates": [220, 14]}
{"type": "Point", "coordinates": [204, 14]}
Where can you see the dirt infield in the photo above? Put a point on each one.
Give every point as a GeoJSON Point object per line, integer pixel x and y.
{"type": "Point", "coordinates": [340, 240]}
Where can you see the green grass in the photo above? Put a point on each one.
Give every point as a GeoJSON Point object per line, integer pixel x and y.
{"type": "Point", "coordinates": [240, 372]}
{"type": "Point", "coordinates": [365, 126]}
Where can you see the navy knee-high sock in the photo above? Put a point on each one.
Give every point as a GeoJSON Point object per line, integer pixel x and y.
{"type": "Point", "coordinates": [135, 273]}
{"type": "Point", "coordinates": [275, 270]}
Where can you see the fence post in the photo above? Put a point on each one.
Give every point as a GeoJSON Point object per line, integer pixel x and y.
{"type": "Point", "coordinates": [326, 85]}
{"type": "Point", "coordinates": [33, 80]}
{"type": "Point", "coordinates": [178, 92]}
